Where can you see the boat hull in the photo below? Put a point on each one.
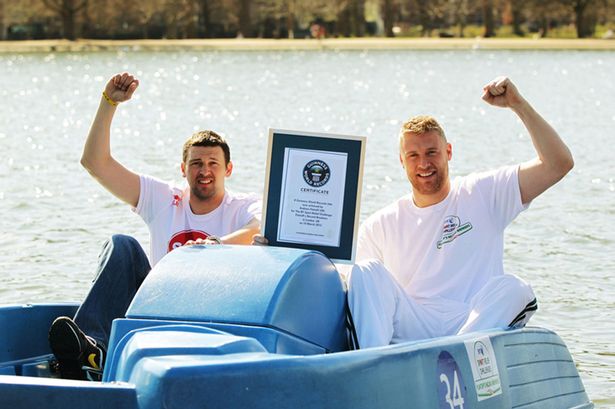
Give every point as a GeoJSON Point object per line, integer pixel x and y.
{"type": "Point", "coordinates": [270, 335]}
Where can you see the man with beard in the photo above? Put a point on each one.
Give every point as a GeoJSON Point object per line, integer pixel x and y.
{"type": "Point", "coordinates": [431, 263]}
{"type": "Point", "coordinates": [201, 213]}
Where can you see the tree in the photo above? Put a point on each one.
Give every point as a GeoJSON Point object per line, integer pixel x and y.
{"type": "Point", "coordinates": [290, 18]}
{"type": "Point", "coordinates": [513, 15]}
{"type": "Point", "coordinates": [2, 21]}
{"type": "Point", "coordinates": [541, 12]}
{"type": "Point", "coordinates": [146, 15]}
{"type": "Point", "coordinates": [431, 14]}
{"type": "Point", "coordinates": [245, 18]}
{"type": "Point", "coordinates": [282, 18]}
{"type": "Point", "coordinates": [222, 18]}
{"type": "Point", "coordinates": [68, 10]}
{"type": "Point", "coordinates": [388, 16]}
{"type": "Point", "coordinates": [459, 11]}
{"type": "Point", "coordinates": [350, 16]}
{"type": "Point", "coordinates": [424, 17]}
{"type": "Point", "coordinates": [180, 18]}
{"type": "Point", "coordinates": [353, 13]}
{"type": "Point", "coordinates": [585, 18]}
{"type": "Point", "coordinates": [488, 18]}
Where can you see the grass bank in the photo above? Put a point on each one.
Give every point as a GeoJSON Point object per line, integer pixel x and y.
{"type": "Point", "coordinates": [327, 44]}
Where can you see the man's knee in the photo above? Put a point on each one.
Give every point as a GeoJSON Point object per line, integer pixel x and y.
{"type": "Point", "coordinates": [124, 247]}
{"type": "Point", "coordinates": [119, 241]}
{"type": "Point", "coordinates": [120, 255]}
{"type": "Point", "coordinates": [517, 288]}
{"type": "Point", "coordinates": [522, 299]}
{"type": "Point", "coordinates": [370, 280]}
{"type": "Point", "coordinates": [366, 271]}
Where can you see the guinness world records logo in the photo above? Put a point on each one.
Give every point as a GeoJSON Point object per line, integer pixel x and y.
{"type": "Point", "coordinates": [316, 173]}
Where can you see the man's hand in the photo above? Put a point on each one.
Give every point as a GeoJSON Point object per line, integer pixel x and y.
{"type": "Point", "coordinates": [121, 87]}
{"type": "Point", "coordinates": [502, 92]}
{"type": "Point", "coordinates": [259, 240]}
{"type": "Point", "coordinates": [201, 242]}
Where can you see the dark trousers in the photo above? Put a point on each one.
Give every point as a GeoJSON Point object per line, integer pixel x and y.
{"type": "Point", "coordinates": [122, 267]}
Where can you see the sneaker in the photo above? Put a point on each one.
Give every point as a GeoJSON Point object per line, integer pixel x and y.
{"type": "Point", "coordinates": [79, 356]}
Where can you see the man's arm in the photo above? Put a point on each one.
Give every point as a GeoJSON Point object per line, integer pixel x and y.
{"type": "Point", "coordinates": [554, 159]}
{"type": "Point", "coordinates": [244, 235]}
{"type": "Point", "coordinates": [96, 157]}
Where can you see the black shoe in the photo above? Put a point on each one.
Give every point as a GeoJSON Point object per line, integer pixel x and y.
{"type": "Point", "coordinates": [79, 356]}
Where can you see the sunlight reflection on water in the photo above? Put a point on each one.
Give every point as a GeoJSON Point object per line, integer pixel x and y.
{"type": "Point", "coordinates": [56, 216]}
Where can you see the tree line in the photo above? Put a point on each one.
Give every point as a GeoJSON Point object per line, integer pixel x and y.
{"type": "Point", "coordinates": [155, 19]}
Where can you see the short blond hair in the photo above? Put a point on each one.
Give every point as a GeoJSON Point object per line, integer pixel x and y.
{"type": "Point", "coordinates": [422, 124]}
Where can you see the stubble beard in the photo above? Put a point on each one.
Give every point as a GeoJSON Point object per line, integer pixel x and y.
{"type": "Point", "coordinates": [428, 188]}
{"type": "Point", "coordinates": [203, 196]}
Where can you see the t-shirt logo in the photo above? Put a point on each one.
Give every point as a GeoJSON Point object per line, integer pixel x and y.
{"type": "Point", "coordinates": [451, 229]}
{"type": "Point", "coordinates": [180, 238]}
{"type": "Point", "coordinates": [176, 200]}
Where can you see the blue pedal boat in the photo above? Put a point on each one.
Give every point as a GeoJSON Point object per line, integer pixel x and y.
{"type": "Point", "coordinates": [264, 327]}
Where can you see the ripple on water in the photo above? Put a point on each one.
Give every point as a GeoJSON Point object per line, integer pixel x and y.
{"type": "Point", "coordinates": [562, 244]}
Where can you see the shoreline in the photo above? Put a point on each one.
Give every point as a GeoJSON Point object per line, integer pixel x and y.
{"type": "Point", "coordinates": [84, 45]}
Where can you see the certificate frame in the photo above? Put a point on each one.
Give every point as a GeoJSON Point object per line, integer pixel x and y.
{"type": "Point", "coordinates": [352, 148]}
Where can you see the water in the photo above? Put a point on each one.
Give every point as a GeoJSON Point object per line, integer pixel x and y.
{"type": "Point", "coordinates": [55, 217]}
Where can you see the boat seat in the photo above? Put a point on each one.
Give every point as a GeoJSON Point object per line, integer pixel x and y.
{"type": "Point", "coordinates": [294, 293]}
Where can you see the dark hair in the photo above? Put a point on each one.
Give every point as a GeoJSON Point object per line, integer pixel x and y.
{"type": "Point", "coordinates": [207, 138]}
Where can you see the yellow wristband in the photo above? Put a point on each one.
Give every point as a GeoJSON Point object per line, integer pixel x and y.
{"type": "Point", "coordinates": [109, 100]}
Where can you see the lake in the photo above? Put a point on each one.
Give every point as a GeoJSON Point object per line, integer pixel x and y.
{"type": "Point", "coordinates": [55, 216]}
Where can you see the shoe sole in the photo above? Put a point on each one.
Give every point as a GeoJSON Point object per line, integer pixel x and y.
{"type": "Point", "coordinates": [63, 337]}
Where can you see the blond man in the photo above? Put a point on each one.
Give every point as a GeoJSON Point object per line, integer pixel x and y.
{"type": "Point", "coordinates": [431, 263]}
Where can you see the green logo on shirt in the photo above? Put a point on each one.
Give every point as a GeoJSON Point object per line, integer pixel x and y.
{"type": "Point", "coordinates": [452, 229]}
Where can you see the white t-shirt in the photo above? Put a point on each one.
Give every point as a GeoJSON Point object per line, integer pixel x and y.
{"type": "Point", "coordinates": [167, 213]}
{"type": "Point", "coordinates": [448, 250]}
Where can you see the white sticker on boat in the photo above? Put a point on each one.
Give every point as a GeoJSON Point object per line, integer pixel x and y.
{"type": "Point", "coordinates": [484, 368]}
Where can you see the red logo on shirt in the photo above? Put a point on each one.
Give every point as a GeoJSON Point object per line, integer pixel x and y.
{"type": "Point", "coordinates": [176, 200]}
{"type": "Point", "coordinates": [179, 239]}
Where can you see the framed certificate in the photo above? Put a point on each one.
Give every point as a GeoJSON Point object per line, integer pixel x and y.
{"type": "Point", "coordinates": [312, 192]}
